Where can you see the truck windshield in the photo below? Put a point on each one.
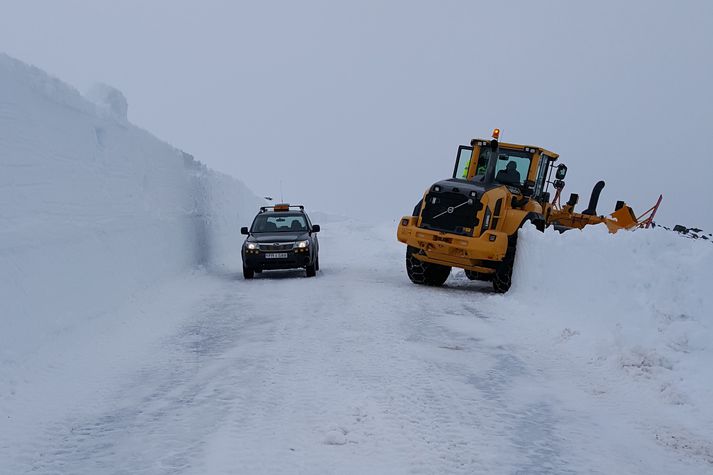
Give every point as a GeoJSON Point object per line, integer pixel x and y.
{"type": "Point", "coordinates": [282, 223]}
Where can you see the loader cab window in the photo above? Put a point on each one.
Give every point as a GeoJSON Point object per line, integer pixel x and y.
{"type": "Point", "coordinates": [463, 162]}
{"type": "Point", "coordinates": [482, 164]}
{"type": "Point", "coordinates": [512, 167]}
{"type": "Point", "coordinates": [541, 175]}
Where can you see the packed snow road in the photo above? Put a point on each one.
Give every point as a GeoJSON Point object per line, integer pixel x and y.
{"type": "Point", "coordinates": [354, 371]}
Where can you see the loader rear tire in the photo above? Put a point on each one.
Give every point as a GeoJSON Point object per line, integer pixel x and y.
{"type": "Point", "coordinates": [425, 273]}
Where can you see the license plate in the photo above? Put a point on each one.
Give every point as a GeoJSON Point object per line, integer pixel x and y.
{"type": "Point", "coordinates": [276, 255]}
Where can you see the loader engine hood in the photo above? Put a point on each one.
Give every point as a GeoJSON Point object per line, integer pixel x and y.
{"type": "Point", "coordinates": [452, 206]}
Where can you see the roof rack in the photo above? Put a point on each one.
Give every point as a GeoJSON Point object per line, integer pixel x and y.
{"type": "Point", "coordinates": [281, 207]}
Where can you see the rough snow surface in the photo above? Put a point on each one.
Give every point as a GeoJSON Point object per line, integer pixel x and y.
{"type": "Point", "coordinates": [360, 371]}
{"type": "Point", "coordinates": [638, 301]}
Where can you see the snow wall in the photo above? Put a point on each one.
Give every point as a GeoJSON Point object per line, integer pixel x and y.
{"type": "Point", "coordinates": [94, 209]}
{"type": "Point", "coordinates": [639, 302]}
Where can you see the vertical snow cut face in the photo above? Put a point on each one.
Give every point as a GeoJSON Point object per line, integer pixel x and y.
{"type": "Point", "coordinates": [94, 208]}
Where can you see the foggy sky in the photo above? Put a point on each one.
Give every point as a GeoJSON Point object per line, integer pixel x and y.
{"type": "Point", "coordinates": [357, 107]}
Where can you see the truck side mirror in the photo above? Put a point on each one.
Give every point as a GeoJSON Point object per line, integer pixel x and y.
{"type": "Point", "coordinates": [244, 230]}
{"type": "Point", "coordinates": [561, 171]}
{"type": "Point", "coordinates": [315, 228]}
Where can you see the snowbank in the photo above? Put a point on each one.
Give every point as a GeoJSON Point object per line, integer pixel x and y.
{"type": "Point", "coordinates": [639, 302]}
{"type": "Point", "coordinates": [94, 209]}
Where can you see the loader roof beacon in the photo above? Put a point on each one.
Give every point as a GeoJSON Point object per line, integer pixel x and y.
{"type": "Point", "coordinates": [471, 220]}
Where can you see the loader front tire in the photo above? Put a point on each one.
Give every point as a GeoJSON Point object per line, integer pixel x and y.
{"type": "Point", "coordinates": [502, 279]}
{"type": "Point", "coordinates": [473, 275]}
{"type": "Point", "coordinates": [425, 273]}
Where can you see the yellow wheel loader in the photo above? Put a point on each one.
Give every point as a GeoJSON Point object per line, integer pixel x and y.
{"type": "Point", "coordinates": [471, 221]}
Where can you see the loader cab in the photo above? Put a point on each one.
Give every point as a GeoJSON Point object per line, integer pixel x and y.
{"type": "Point", "coordinates": [523, 169]}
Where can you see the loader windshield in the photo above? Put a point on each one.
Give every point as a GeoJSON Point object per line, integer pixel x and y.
{"type": "Point", "coordinates": [512, 167]}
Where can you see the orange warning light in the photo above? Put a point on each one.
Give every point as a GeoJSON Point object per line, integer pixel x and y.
{"type": "Point", "coordinates": [496, 134]}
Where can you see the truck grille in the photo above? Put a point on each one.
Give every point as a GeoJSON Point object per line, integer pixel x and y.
{"type": "Point", "coordinates": [276, 246]}
{"type": "Point", "coordinates": [450, 212]}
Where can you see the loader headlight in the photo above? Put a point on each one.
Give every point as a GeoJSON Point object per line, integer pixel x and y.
{"type": "Point", "coordinates": [251, 245]}
{"type": "Point", "coordinates": [301, 244]}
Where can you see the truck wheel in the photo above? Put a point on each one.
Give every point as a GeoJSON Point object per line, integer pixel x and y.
{"type": "Point", "coordinates": [502, 279]}
{"type": "Point", "coordinates": [311, 270]}
{"type": "Point", "coordinates": [248, 273]}
{"type": "Point", "coordinates": [316, 263]}
{"type": "Point", "coordinates": [425, 273]}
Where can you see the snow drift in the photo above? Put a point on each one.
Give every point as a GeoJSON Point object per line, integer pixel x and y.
{"type": "Point", "coordinates": [94, 208]}
{"type": "Point", "coordinates": [638, 302]}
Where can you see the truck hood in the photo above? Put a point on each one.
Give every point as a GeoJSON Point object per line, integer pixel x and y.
{"type": "Point", "coordinates": [278, 237]}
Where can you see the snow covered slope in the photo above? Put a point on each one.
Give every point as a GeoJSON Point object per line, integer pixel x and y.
{"type": "Point", "coordinates": [639, 301]}
{"type": "Point", "coordinates": [93, 208]}
{"type": "Point", "coordinates": [360, 371]}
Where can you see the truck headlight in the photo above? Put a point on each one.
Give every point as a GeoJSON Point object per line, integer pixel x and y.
{"type": "Point", "coordinates": [301, 244]}
{"type": "Point", "coordinates": [251, 245]}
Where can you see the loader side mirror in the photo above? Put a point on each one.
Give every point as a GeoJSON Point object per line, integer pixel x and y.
{"type": "Point", "coordinates": [315, 228]}
{"type": "Point", "coordinates": [244, 230]}
{"type": "Point", "coordinates": [561, 171]}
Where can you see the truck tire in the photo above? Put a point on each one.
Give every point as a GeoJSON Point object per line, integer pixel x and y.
{"type": "Point", "coordinates": [311, 270]}
{"type": "Point", "coordinates": [248, 273]}
{"type": "Point", "coordinates": [425, 273]}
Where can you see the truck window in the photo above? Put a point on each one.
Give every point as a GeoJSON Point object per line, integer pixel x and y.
{"type": "Point", "coordinates": [279, 223]}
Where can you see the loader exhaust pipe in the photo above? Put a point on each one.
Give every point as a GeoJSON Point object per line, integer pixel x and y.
{"type": "Point", "coordinates": [594, 199]}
